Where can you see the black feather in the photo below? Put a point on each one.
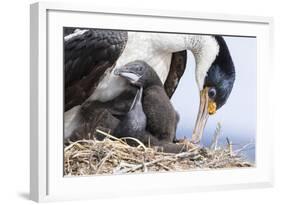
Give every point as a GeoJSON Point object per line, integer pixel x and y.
{"type": "Point", "coordinates": [86, 58]}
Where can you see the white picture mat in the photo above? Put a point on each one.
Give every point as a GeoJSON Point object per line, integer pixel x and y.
{"type": "Point", "coordinates": [59, 187]}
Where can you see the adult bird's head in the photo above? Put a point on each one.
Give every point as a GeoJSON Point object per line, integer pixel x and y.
{"type": "Point", "coordinates": [216, 88]}
{"type": "Point", "coordinates": [139, 73]}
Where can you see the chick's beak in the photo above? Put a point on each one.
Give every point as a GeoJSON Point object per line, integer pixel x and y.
{"type": "Point", "coordinates": [130, 76]}
{"type": "Point", "coordinates": [207, 107]}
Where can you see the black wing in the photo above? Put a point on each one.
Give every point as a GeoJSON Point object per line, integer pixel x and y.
{"type": "Point", "coordinates": [88, 53]}
{"type": "Point", "coordinates": [176, 71]}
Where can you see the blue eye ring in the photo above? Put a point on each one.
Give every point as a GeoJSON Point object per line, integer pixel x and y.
{"type": "Point", "coordinates": [212, 93]}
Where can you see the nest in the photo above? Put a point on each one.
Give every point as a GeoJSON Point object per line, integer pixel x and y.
{"type": "Point", "coordinates": [114, 156]}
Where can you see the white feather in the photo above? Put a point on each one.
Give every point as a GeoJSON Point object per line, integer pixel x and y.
{"type": "Point", "coordinates": [205, 49]}
{"type": "Point", "coordinates": [109, 88]}
{"type": "Point", "coordinates": [71, 120]}
{"type": "Point", "coordinates": [77, 32]}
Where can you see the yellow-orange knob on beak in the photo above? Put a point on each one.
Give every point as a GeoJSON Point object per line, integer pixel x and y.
{"type": "Point", "coordinates": [212, 108]}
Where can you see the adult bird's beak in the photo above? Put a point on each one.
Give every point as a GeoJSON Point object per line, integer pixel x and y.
{"type": "Point", "coordinates": [207, 107]}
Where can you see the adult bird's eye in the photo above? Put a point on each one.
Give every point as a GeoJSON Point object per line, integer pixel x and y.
{"type": "Point", "coordinates": [212, 93]}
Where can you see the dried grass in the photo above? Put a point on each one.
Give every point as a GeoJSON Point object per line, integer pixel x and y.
{"type": "Point", "coordinates": [115, 156]}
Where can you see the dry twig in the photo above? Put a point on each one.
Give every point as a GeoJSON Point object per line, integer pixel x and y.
{"type": "Point", "coordinates": [114, 156]}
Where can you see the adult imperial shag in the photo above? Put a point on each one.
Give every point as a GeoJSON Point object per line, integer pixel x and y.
{"type": "Point", "coordinates": [91, 56]}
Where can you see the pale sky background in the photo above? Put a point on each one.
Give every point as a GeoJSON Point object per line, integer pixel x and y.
{"type": "Point", "coordinates": [238, 115]}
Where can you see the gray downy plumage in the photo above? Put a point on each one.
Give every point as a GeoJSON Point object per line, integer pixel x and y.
{"type": "Point", "coordinates": [161, 117]}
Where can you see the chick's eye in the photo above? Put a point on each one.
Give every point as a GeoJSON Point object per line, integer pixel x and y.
{"type": "Point", "coordinates": [212, 93]}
